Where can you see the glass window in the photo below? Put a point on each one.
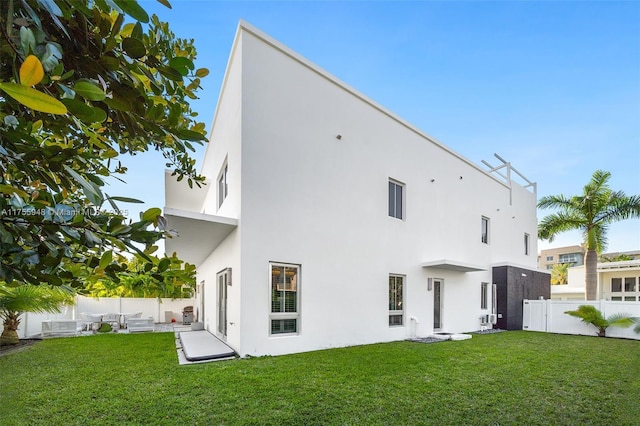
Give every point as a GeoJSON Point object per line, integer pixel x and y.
{"type": "Point", "coordinates": [630, 284]}
{"type": "Point", "coordinates": [223, 188]}
{"type": "Point", "coordinates": [526, 244]}
{"type": "Point", "coordinates": [485, 230]}
{"type": "Point", "coordinates": [549, 258]}
{"type": "Point", "coordinates": [396, 200]}
{"type": "Point", "coordinates": [396, 301]}
{"type": "Point", "coordinates": [285, 299]}
{"type": "Point", "coordinates": [616, 285]}
{"type": "Point", "coordinates": [629, 298]}
{"type": "Point", "coordinates": [483, 295]}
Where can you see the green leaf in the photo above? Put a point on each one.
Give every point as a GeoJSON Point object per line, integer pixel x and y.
{"type": "Point", "coordinates": [126, 200]}
{"type": "Point", "coordinates": [27, 40]}
{"type": "Point", "coordinates": [33, 98]}
{"type": "Point", "coordinates": [109, 62]}
{"type": "Point", "coordinates": [170, 73]}
{"type": "Point", "coordinates": [92, 193]}
{"type": "Point", "coordinates": [8, 189]}
{"type": "Point", "coordinates": [137, 31]}
{"type": "Point", "coordinates": [151, 214]}
{"type": "Point", "coordinates": [89, 90]}
{"type": "Point", "coordinates": [189, 135]}
{"type": "Point", "coordinates": [181, 64]}
{"type": "Point", "coordinates": [87, 113]}
{"type": "Point", "coordinates": [106, 259]}
{"type": "Point", "coordinates": [31, 71]}
{"type": "Point", "coordinates": [134, 47]}
{"type": "Point", "coordinates": [133, 9]}
{"type": "Point", "coordinates": [202, 72]}
{"type": "Point", "coordinates": [165, 3]}
{"type": "Point", "coordinates": [164, 264]}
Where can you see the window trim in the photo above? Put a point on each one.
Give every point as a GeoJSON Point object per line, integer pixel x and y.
{"type": "Point", "coordinates": [396, 312]}
{"type": "Point", "coordinates": [403, 195]}
{"type": "Point", "coordinates": [286, 315]}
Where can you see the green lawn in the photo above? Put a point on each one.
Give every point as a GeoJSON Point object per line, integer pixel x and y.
{"type": "Point", "coordinates": [519, 378]}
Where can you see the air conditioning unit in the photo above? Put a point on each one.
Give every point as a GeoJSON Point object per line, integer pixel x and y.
{"type": "Point", "coordinates": [493, 318]}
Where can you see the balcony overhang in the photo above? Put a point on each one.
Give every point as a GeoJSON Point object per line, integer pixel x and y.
{"type": "Point", "coordinates": [198, 233]}
{"type": "Point", "coordinates": [452, 265]}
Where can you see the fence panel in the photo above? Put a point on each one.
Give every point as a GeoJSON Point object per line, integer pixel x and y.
{"type": "Point", "coordinates": [31, 324]}
{"type": "Point", "coordinates": [549, 315]}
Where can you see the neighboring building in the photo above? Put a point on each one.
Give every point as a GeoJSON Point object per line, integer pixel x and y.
{"type": "Point", "coordinates": [572, 254]}
{"type": "Point", "coordinates": [329, 221]}
{"type": "Point", "coordinates": [617, 281]}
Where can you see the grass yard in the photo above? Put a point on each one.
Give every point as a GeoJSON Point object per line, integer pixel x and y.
{"type": "Point", "coordinates": [519, 378]}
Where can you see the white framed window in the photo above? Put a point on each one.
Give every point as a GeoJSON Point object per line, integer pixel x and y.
{"type": "Point", "coordinates": [223, 187]}
{"type": "Point", "coordinates": [549, 258]}
{"type": "Point", "coordinates": [396, 199]}
{"type": "Point", "coordinates": [568, 258]}
{"type": "Point", "coordinates": [526, 244]}
{"type": "Point", "coordinates": [484, 229]}
{"type": "Point", "coordinates": [625, 289]}
{"type": "Point", "coordinates": [483, 295]}
{"type": "Point", "coordinates": [396, 300]}
{"type": "Point", "coordinates": [284, 317]}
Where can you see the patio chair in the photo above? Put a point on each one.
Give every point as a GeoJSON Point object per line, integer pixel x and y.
{"type": "Point", "coordinates": [112, 319]}
{"type": "Point", "coordinates": [128, 316]}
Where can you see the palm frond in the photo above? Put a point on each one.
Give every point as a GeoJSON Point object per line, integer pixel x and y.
{"type": "Point", "coordinates": [621, 320]}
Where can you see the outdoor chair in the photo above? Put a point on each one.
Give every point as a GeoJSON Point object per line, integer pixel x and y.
{"type": "Point", "coordinates": [112, 319]}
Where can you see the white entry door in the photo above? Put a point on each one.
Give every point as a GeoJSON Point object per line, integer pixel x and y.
{"type": "Point", "coordinates": [438, 291]}
{"type": "Point", "coordinates": [223, 281]}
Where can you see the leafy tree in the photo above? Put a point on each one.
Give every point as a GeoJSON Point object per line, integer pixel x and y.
{"type": "Point", "coordinates": [618, 258]}
{"type": "Point", "coordinates": [14, 301]}
{"type": "Point", "coordinates": [591, 212]}
{"type": "Point", "coordinates": [83, 84]}
{"type": "Point", "coordinates": [172, 280]}
{"type": "Point", "coordinates": [560, 273]}
{"type": "Point", "coordinates": [590, 315]}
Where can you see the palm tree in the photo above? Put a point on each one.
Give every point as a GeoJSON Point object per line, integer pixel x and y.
{"type": "Point", "coordinates": [14, 301]}
{"type": "Point", "coordinates": [560, 273]}
{"type": "Point", "coordinates": [590, 315]}
{"type": "Point", "coordinates": [591, 212]}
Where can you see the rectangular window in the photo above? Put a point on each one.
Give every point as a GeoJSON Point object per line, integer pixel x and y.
{"type": "Point", "coordinates": [483, 295]}
{"type": "Point", "coordinates": [485, 230]}
{"type": "Point", "coordinates": [396, 199]}
{"type": "Point", "coordinates": [568, 258]}
{"type": "Point", "coordinates": [396, 301]}
{"type": "Point", "coordinates": [630, 284]}
{"type": "Point", "coordinates": [549, 258]}
{"type": "Point", "coordinates": [285, 299]}
{"type": "Point", "coordinates": [616, 285]}
{"type": "Point", "coordinates": [223, 188]}
{"type": "Point", "coordinates": [526, 244]}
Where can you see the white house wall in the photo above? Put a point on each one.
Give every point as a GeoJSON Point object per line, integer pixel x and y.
{"type": "Point", "coordinates": [311, 199]}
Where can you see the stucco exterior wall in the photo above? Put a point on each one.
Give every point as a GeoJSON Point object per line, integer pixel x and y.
{"type": "Point", "coordinates": [311, 199]}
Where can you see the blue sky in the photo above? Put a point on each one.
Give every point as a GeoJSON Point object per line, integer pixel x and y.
{"type": "Point", "coordinates": [553, 87]}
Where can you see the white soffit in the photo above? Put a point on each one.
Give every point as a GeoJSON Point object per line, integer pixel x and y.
{"type": "Point", "coordinates": [452, 265]}
{"type": "Point", "coordinates": [198, 233]}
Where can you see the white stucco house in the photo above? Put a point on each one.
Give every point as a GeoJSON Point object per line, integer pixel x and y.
{"type": "Point", "coordinates": [329, 221]}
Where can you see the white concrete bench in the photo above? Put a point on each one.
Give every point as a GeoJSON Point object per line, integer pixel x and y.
{"type": "Point", "coordinates": [60, 326]}
{"type": "Point", "coordinates": [140, 324]}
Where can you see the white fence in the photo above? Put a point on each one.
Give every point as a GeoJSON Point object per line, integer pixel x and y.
{"type": "Point", "coordinates": [162, 310]}
{"type": "Point", "coordinates": [549, 316]}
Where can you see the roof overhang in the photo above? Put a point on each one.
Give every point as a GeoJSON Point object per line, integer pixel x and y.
{"type": "Point", "coordinates": [452, 265]}
{"type": "Point", "coordinates": [198, 233]}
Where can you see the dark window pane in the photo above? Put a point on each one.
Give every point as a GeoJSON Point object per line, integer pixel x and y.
{"type": "Point", "coordinates": [399, 201]}
{"type": "Point", "coordinates": [395, 320]}
{"type": "Point", "coordinates": [284, 326]}
{"type": "Point", "coordinates": [630, 284]}
{"type": "Point", "coordinates": [616, 285]}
